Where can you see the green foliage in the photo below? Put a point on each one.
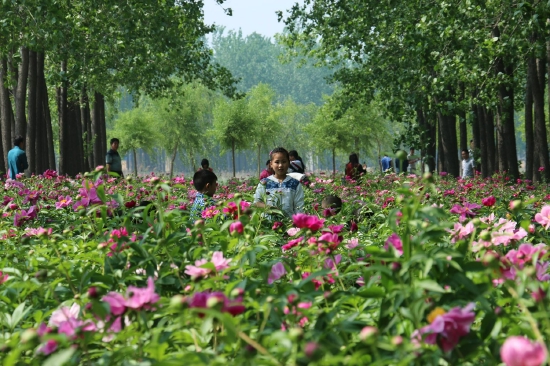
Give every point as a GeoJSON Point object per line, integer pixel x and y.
{"type": "Point", "coordinates": [135, 129]}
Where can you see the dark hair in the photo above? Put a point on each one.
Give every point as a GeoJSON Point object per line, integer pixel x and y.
{"type": "Point", "coordinates": [465, 151]}
{"type": "Point", "coordinates": [279, 150]}
{"type": "Point", "coordinates": [202, 177]}
{"type": "Point", "coordinates": [354, 159]}
{"type": "Point", "coordinates": [268, 161]}
{"type": "Point", "coordinates": [298, 157]}
{"type": "Point", "coordinates": [205, 162]}
{"type": "Point", "coordinates": [333, 202]}
{"type": "Point", "coordinates": [18, 140]}
{"type": "Point", "coordinates": [294, 153]}
{"type": "Point", "coordinates": [113, 140]}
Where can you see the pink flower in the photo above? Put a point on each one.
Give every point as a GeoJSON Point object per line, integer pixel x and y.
{"type": "Point", "coordinates": [460, 232]}
{"type": "Point", "coordinates": [201, 300]}
{"type": "Point", "coordinates": [332, 241]}
{"type": "Point", "coordinates": [353, 228]}
{"type": "Point", "coordinates": [467, 210]}
{"type": "Point", "coordinates": [293, 231]}
{"type": "Point", "coordinates": [489, 201]}
{"type": "Point", "coordinates": [236, 228]}
{"type": "Point", "coordinates": [277, 225]}
{"type": "Point", "coordinates": [210, 212]}
{"type": "Point", "coordinates": [117, 303]}
{"type": "Point", "coordinates": [331, 264]}
{"type": "Point", "coordinates": [3, 277]}
{"type": "Point", "coordinates": [520, 351]}
{"type": "Point", "coordinates": [141, 298]}
{"type": "Point", "coordinates": [447, 329]}
{"type": "Point", "coordinates": [543, 217]}
{"type": "Point", "coordinates": [353, 243]}
{"type": "Point", "coordinates": [336, 229]}
{"type": "Point", "coordinates": [63, 202]}
{"type": "Point", "coordinates": [395, 241]}
{"type": "Point", "coordinates": [304, 221]}
{"type": "Point", "coordinates": [196, 271]}
{"type": "Point", "coordinates": [277, 271]}
{"type": "Point", "coordinates": [64, 314]}
{"type": "Point", "coordinates": [219, 261]}
{"type": "Point", "coordinates": [47, 348]}
{"type": "Point", "coordinates": [292, 243]}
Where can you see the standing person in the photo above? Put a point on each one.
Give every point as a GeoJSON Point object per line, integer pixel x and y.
{"type": "Point", "coordinates": [267, 171]}
{"type": "Point", "coordinates": [413, 159]}
{"type": "Point", "coordinates": [205, 165]}
{"type": "Point", "coordinates": [296, 163]}
{"type": "Point", "coordinates": [467, 165]}
{"type": "Point", "coordinates": [354, 170]}
{"type": "Point", "coordinates": [280, 190]}
{"type": "Point", "coordinates": [17, 159]}
{"type": "Point", "coordinates": [113, 160]}
{"type": "Point", "coordinates": [386, 162]}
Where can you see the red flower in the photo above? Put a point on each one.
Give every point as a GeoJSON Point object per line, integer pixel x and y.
{"type": "Point", "coordinates": [489, 201]}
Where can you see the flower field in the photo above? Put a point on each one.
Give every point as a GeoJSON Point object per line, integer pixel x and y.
{"type": "Point", "coordinates": [425, 271]}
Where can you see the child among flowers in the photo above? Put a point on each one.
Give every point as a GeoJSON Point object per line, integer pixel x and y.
{"type": "Point", "coordinates": [279, 189]}
{"type": "Point", "coordinates": [205, 183]}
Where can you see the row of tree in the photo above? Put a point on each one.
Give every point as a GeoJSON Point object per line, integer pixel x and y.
{"type": "Point", "coordinates": [192, 121]}
{"type": "Point", "coordinates": [440, 64]}
{"type": "Point", "coordinates": [74, 55]}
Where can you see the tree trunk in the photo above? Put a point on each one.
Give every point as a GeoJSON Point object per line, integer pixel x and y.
{"type": "Point", "coordinates": [12, 70]}
{"type": "Point", "coordinates": [490, 141]}
{"type": "Point", "coordinates": [85, 120]}
{"type": "Point", "coordinates": [21, 90]}
{"type": "Point", "coordinates": [233, 156]}
{"type": "Point", "coordinates": [449, 145]}
{"type": "Point", "coordinates": [31, 120]}
{"type": "Point", "coordinates": [462, 121]}
{"type": "Point", "coordinates": [334, 162]}
{"type": "Point", "coordinates": [48, 125]}
{"type": "Point", "coordinates": [103, 128]}
{"type": "Point", "coordinates": [135, 162]}
{"type": "Point", "coordinates": [501, 145]}
{"type": "Point", "coordinates": [173, 159]}
{"type": "Point", "coordinates": [64, 137]}
{"type": "Point", "coordinates": [541, 140]}
{"type": "Point", "coordinates": [440, 152]}
{"type": "Point", "coordinates": [40, 143]}
{"type": "Point", "coordinates": [98, 153]}
{"type": "Point", "coordinates": [5, 114]}
{"type": "Point", "coordinates": [259, 159]}
{"type": "Point", "coordinates": [529, 137]}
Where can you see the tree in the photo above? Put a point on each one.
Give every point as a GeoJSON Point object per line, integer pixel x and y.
{"type": "Point", "coordinates": [233, 125]}
{"type": "Point", "coordinates": [136, 130]}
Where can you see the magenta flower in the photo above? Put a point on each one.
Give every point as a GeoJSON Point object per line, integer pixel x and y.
{"type": "Point", "coordinates": [304, 221]}
{"type": "Point", "coordinates": [117, 303]}
{"type": "Point", "coordinates": [395, 241]}
{"type": "Point", "coordinates": [3, 277]}
{"type": "Point", "coordinates": [352, 243]}
{"type": "Point", "coordinates": [331, 240]}
{"type": "Point", "coordinates": [63, 202]}
{"type": "Point", "coordinates": [543, 217]}
{"type": "Point", "coordinates": [336, 229]}
{"type": "Point", "coordinates": [219, 261]}
{"type": "Point", "coordinates": [292, 243]}
{"type": "Point", "coordinates": [63, 314]}
{"type": "Point", "coordinates": [202, 300]}
{"type": "Point", "coordinates": [460, 232]}
{"type": "Point", "coordinates": [277, 271]}
{"type": "Point", "coordinates": [277, 225]}
{"type": "Point", "coordinates": [236, 228]}
{"type": "Point", "coordinates": [141, 298]}
{"type": "Point", "coordinates": [520, 351]}
{"type": "Point", "coordinates": [47, 348]}
{"type": "Point", "coordinates": [210, 212]}
{"type": "Point", "coordinates": [489, 201]}
{"type": "Point", "coordinates": [467, 210]}
{"type": "Point", "coordinates": [331, 264]}
{"type": "Point", "coordinates": [447, 329]}
{"type": "Point", "coordinates": [81, 204]}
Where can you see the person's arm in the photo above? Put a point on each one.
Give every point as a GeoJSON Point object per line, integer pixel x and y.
{"type": "Point", "coordinates": [259, 195]}
{"type": "Point", "coordinates": [299, 199]}
{"type": "Point", "coordinates": [22, 162]}
{"type": "Point", "coordinates": [108, 161]}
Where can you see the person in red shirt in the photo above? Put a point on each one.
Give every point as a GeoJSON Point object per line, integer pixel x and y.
{"type": "Point", "coordinates": [354, 170]}
{"type": "Point", "coordinates": [205, 165]}
{"type": "Point", "coordinates": [267, 171]}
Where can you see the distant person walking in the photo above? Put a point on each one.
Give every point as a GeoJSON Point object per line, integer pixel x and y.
{"type": "Point", "coordinates": [296, 163]}
{"type": "Point", "coordinates": [205, 165]}
{"type": "Point", "coordinates": [17, 159]}
{"type": "Point", "coordinates": [267, 171]}
{"type": "Point", "coordinates": [354, 170]}
{"type": "Point", "coordinates": [113, 160]}
{"type": "Point", "coordinates": [413, 159]}
{"type": "Point", "coordinates": [467, 165]}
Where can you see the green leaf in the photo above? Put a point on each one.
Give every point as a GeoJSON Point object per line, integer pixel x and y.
{"type": "Point", "coordinates": [60, 358]}
{"type": "Point", "coordinates": [430, 285]}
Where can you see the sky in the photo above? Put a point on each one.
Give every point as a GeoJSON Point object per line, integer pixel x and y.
{"type": "Point", "coordinates": [250, 15]}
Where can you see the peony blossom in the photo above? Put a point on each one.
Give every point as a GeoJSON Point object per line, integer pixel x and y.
{"type": "Point", "coordinates": [292, 243]}
{"type": "Point", "coordinates": [352, 243]}
{"type": "Point", "coordinates": [236, 227]}
{"type": "Point", "coordinates": [543, 217]}
{"type": "Point", "coordinates": [47, 348]}
{"type": "Point", "coordinates": [63, 202]}
{"type": "Point", "coordinates": [520, 351]}
{"type": "Point", "coordinates": [205, 300]}
{"type": "Point", "coordinates": [277, 225]}
{"type": "Point", "coordinates": [467, 210]}
{"type": "Point", "coordinates": [277, 271]}
{"type": "Point", "coordinates": [395, 241]}
{"type": "Point", "coordinates": [141, 298]}
{"type": "Point", "coordinates": [219, 261]}
{"type": "Point", "coordinates": [117, 303]}
{"type": "Point", "coordinates": [304, 221]}
{"type": "Point", "coordinates": [447, 328]}
{"type": "Point", "coordinates": [489, 201]}
{"type": "Point", "coordinates": [3, 277]}
{"type": "Point", "coordinates": [64, 314]}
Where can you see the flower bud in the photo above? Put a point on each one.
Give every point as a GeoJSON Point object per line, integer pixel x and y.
{"type": "Point", "coordinates": [28, 335]}
{"type": "Point", "coordinates": [428, 177]}
{"type": "Point", "coordinates": [368, 333]}
{"type": "Point", "coordinates": [93, 293]}
{"type": "Point", "coordinates": [177, 301]}
{"type": "Point", "coordinates": [485, 235]}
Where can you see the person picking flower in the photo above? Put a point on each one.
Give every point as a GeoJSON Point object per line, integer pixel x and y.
{"type": "Point", "coordinates": [206, 183]}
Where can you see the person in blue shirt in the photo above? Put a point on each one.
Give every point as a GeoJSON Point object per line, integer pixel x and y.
{"type": "Point", "coordinates": [386, 162]}
{"type": "Point", "coordinates": [17, 159]}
